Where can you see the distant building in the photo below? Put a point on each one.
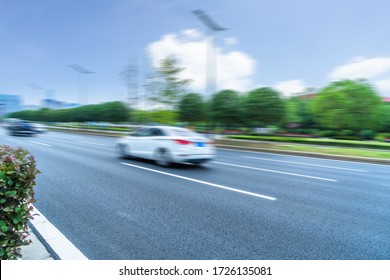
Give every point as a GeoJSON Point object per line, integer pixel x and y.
{"type": "Point", "coordinates": [9, 104]}
{"type": "Point", "coordinates": [55, 104]}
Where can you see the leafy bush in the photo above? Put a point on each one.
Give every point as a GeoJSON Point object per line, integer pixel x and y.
{"type": "Point", "coordinates": [367, 134]}
{"type": "Point", "coordinates": [383, 136]}
{"type": "Point", "coordinates": [346, 137]}
{"type": "Point", "coordinates": [326, 133]}
{"type": "Point", "coordinates": [17, 179]}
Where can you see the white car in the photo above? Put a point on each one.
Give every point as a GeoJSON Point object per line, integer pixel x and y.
{"type": "Point", "coordinates": [166, 145]}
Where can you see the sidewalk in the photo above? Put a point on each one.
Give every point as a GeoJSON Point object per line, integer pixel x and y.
{"type": "Point", "coordinates": [36, 250]}
{"type": "Point", "coordinates": [48, 243]}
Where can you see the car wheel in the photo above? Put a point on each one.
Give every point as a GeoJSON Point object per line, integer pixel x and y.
{"type": "Point", "coordinates": [163, 157]}
{"type": "Point", "coordinates": [122, 151]}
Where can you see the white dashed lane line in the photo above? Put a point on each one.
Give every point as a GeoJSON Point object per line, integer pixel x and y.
{"type": "Point", "coordinates": [275, 171]}
{"type": "Point", "coordinates": [202, 182]}
{"type": "Point", "coordinates": [40, 143]}
{"type": "Point", "coordinates": [307, 164]}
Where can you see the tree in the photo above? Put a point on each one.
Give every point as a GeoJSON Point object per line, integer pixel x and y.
{"type": "Point", "coordinates": [167, 84]}
{"type": "Point", "coordinates": [298, 110]}
{"type": "Point", "coordinates": [226, 108]}
{"type": "Point", "coordinates": [384, 117]}
{"type": "Point", "coordinates": [347, 104]}
{"type": "Point", "coordinates": [263, 106]}
{"type": "Point", "coordinates": [191, 108]}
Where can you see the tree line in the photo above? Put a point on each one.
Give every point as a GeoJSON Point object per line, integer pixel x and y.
{"type": "Point", "coordinates": [106, 112]}
{"type": "Point", "coordinates": [350, 106]}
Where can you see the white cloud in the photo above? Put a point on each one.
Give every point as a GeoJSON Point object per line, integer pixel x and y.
{"type": "Point", "coordinates": [231, 41]}
{"type": "Point", "coordinates": [377, 70]}
{"type": "Point", "coordinates": [234, 69]}
{"type": "Point", "coordinates": [360, 67]}
{"type": "Point", "coordinates": [290, 87]}
{"type": "Point", "coordinates": [384, 86]}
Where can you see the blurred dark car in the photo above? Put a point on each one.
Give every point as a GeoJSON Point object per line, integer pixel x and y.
{"type": "Point", "coordinates": [21, 127]}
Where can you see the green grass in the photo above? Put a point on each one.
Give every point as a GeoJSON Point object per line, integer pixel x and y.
{"type": "Point", "coordinates": [338, 151]}
{"type": "Point", "coordinates": [317, 141]}
{"type": "Point", "coordinates": [357, 152]}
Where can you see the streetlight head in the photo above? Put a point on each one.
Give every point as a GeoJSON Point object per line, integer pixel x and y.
{"type": "Point", "coordinates": [203, 17]}
{"type": "Point", "coordinates": [80, 69]}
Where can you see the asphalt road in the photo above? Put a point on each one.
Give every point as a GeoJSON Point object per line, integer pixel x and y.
{"type": "Point", "coordinates": [244, 205]}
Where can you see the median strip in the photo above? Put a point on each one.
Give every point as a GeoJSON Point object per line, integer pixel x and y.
{"type": "Point", "coordinates": [202, 182]}
{"type": "Point", "coordinates": [275, 171]}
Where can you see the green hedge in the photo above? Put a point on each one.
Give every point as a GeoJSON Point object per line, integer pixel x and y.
{"type": "Point", "coordinates": [106, 112]}
{"type": "Point", "coordinates": [17, 179]}
{"type": "Point", "coordinates": [315, 141]}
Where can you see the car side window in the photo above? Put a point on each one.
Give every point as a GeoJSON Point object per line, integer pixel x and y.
{"type": "Point", "coordinates": [146, 133]}
{"type": "Point", "coordinates": [157, 132]}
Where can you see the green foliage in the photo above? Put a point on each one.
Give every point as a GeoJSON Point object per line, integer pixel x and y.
{"type": "Point", "coordinates": [107, 112]}
{"type": "Point", "coordinates": [167, 86]}
{"type": "Point", "coordinates": [263, 107]}
{"type": "Point", "coordinates": [225, 108]}
{"type": "Point", "coordinates": [158, 116]}
{"type": "Point", "coordinates": [347, 104]}
{"type": "Point", "coordinates": [383, 116]}
{"type": "Point", "coordinates": [298, 110]}
{"type": "Point", "coordinates": [367, 134]}
{"type": "Point", "coordinates": [17, 179]}
{"type": "Point", "coordinates": [191, 108]}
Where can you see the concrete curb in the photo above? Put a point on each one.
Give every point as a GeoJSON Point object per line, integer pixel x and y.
{"type": "Point", "coordinates": [59, 247]}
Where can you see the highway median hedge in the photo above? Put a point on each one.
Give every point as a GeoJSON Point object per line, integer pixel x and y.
{"type": "Point", "coordinates": [106, 112]}
{"type": "Point", "coordinates": [17, 180]}
{"type": "Point", "coordinates": [316, 141]}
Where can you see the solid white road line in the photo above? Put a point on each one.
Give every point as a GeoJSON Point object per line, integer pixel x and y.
{"type": "Point", "coordinates": [275, 171]}
{"type": "Point", "coordinates": [57, 242]}
{"type": "Point", "coordinates": [201, 182]}
{"type": "Point", "coordinates": [308, 164]}
{"type": "Point", "coordinates": [39, 143]}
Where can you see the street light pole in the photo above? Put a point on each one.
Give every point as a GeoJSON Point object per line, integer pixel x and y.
{"type": "Point", "coordinates": [83, 87]}
{"type": "Point", "coordinates": [211, 57]}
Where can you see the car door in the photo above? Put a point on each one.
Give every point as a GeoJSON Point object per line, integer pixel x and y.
{"type": "Point", "coordinates": [153, 141]}
{"type": "Point", "coordinates": [142, 143]}
{"type": "Point", "coordinates": [135, 140]}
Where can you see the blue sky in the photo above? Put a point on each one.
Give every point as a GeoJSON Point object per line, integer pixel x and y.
{"type": "Point", "coordinates": [288, 45]}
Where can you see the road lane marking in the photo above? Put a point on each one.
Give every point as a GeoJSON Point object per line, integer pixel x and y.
{"type": "Point", "coordinates": [202, 182]}
{"type": "Point", "coordinates": [274, 171]}
{"type": "Point", "coordinates": [92, 143]}
{"type": "Point", "coordinates": [308, 164]}
{"type": "Point", "coordinates": [39, 143]}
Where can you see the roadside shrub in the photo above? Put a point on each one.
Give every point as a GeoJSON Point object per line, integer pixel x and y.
{"type": "Point", "coordinates": [347, 132]}
{"type": "Point", "coordinates": [346, 137]}
{"type": "Point", "coordinates": [367, 134]}
{"type": "Point", "coordinates": [326, 133]}
{"type": "Point", "coordinates": [383, 137]}
{"type": "Point", "coordinates": [17, 179]}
